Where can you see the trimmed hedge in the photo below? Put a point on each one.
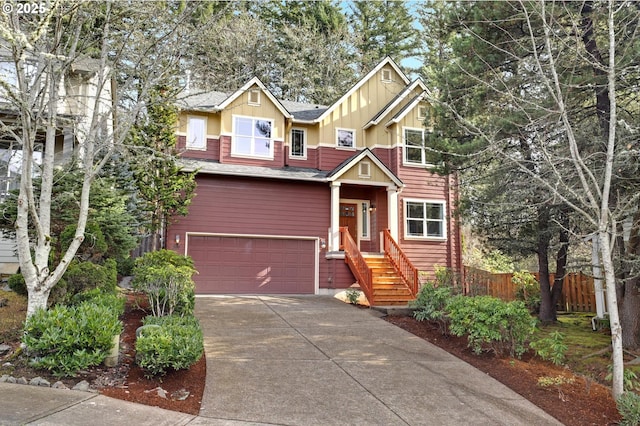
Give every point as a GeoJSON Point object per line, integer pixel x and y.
{"type": "Point", "coordinates": [66, 339]}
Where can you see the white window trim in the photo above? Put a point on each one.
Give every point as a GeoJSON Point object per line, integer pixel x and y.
{"type": "Point", "coordinates": [258, 96]}
{"type": "Point", "coordinates": [423, 162]}
{"type": "Point", "coordinates": [304, 150]}
{"type": "Point", "coordinates": [353, 132]}
{"type": "Point", "coordinates": [424, 201]}
{"type": "Point", "coordinates": [233, 138]}
{"type": "Point", "coordinates": [359, 212]}
{"type": "Point", "coordinates": [204, 133]}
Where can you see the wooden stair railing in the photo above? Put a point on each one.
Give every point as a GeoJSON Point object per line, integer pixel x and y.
{"type": "Point", "coordinates": [401, 263]}
{"type": "Point", "coordinates": [358, 265]}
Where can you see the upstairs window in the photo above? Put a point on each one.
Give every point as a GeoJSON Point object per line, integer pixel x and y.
{"type": "Point", "coordinates": [424, 219]}
{"type": "Point", "coordinates": [252, 137]}
{"type": "Point", "coordinates": [298, 143]}
{"type": "Point", "coordinates": [414, 146]}
{"type": "Point", "coordinates": [196, 133]}
{"type": "Point", "coordinates": [346, 138]}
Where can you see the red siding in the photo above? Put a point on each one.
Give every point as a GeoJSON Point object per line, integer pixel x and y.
{"type": "Point", "coordinates": [329, 158]}
{"type": "Point", "coordinates": [422, 184]}
{"type": "Point", "coordinates": [212, 152]}
{"type": "Point", "coordinates": [245, 206]}
{"type": "Point", "coordinates": [311, 161]}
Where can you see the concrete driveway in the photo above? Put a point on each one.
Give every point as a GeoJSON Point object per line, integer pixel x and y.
{"type": "Point", "coordinates": [313, 360]}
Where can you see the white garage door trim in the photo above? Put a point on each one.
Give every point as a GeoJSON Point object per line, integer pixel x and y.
{"type": "Point", "coordinates": [316, 240]}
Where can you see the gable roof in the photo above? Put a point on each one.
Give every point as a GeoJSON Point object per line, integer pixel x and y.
{"type": "Point", "coordinates": [255, 81]}
{"type": "Point", "coordinates": [405, 110]}
{"type": "Point", "coordinates": [214, 101]}
{"type": "Point", "coordinates": [346, 165]}
{"type": "Point", "coordinates": [395, 102]}
{"type": "Point", "coordinates": [386, 61]}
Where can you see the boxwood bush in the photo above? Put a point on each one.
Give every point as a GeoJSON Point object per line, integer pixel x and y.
{"type": "Point", "coordinates": [176, 344]}
{"type": "Point", "coordinates": [66, 339]}
{"type": "Point", "coordinates": [491, 323]}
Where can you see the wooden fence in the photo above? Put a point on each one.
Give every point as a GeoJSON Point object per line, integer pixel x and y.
{"type": "Point", "coordinates": [578, 291]}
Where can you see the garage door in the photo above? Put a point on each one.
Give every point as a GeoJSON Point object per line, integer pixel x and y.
{"type": "Point", "coordinates": [242, 265]}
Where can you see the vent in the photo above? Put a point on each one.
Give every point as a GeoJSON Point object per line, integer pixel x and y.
{"type": "Point", "coordinates": [254, 97]}
{"type": "Point", "coordinates": [365, 170]}
{"type": "Point", "coordinates": [386, 75]}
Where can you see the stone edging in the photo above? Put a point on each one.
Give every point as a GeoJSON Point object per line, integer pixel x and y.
{"type": "Point", "coordinates": [39, 381]}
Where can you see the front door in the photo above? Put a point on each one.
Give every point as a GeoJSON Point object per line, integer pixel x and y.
{"type": "Point", "coordinates": [349, 218]}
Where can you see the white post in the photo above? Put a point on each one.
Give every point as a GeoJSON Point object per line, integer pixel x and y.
{"type": "Point", "coordinates": [334, 244]}
{"type": "Point", "coordinates": [392, 211]}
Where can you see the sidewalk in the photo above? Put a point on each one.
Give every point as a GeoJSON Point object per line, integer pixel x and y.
{"type": "Point", "coordinates": [301, 360]}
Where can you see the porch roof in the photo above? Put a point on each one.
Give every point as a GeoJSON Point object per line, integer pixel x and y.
{"type": "Point", "coordinates": [350, 162]}
{"type": "Point", "coordinates": [287, 172]}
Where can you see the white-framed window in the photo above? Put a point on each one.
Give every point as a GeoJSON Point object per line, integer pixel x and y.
{"type": "Point", "coordinates": [365, 219]}
{"type": "Point", "coordinates": [196, 133]}
{"type": "Point", "coordinates": [414, 151]}
{"type": "Point", "coordinates": [424, 219]}
{"type": "Point", "coordinates": [254, 97]}
{"type": "Point", "coordinates": [385, 75]}
{"type": "Point", "coordinates": [346, 138]}
{"type": "Point", "coordinates": [298, 144]}
{"type": "Point", "coordinates": [252, 137]}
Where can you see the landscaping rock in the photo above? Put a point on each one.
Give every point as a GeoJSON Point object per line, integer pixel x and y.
{"type": "Point", "coordinates": [22, 381]}
{"type": "Point", "coordinates": [39, 381]}
{"type": "Point", "coordinates": [4, 349]}
{"type": "Point", "coordinates": [82, 386]}
{"type": "Point", "coordinates": [59, 385]}
{"type": "Point", "coordinates": [5, 378]}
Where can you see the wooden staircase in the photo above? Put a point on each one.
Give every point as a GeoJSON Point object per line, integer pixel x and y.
{"type": "Point", "coordinates": [388, 287]}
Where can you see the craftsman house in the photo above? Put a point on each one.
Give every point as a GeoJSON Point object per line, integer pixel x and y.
{"type": "Point", "coordinates": [296, 198]}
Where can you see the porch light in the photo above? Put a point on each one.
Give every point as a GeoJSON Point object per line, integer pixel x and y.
{"type": "Point", "coordinates": [323, 243]}
{"type": "Point", "coordinates": [372, 208]}
{"type": "Point", "coordinates": [177, 240]}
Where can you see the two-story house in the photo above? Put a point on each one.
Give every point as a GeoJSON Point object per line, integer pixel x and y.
{"type": "Point", "coordinates": [296, 198]}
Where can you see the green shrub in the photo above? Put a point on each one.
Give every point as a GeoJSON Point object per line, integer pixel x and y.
{"type": "Point", "coordinates": [629, 408]}
{"type": "Point", "coordinates": [84, 276]}
{"type": "Point", "coordinates": [430, 305]}
{"type": "Point", "coordinates": [165, 277]}
{"type": "Point", "coordinates": [353, 296]}
{"type": "Point", "coordinates": [16, 283]}
{"type": "Point", "coordinates": [527, 290]}
{"type": "Point", "coordinates": [488, 321]}
{"type": "Point", "coordinates": [176, 344]}
{"type": "Point", "coordinates": [551, 348]}
{"type": "Point", "coordinates": [66, 339]}
{"type": "Point", "coordinates": [125, 266]}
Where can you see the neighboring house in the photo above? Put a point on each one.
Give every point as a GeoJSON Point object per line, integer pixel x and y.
{"type": "Point", "coordinates": [78, 93]}
{"type": "Point", "coordinates": [286, 190]}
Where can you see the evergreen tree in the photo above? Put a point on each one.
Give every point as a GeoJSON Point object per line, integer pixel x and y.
{"type": "Point", "coordinates": [382, 28]}
{"type": "Point", "coordinates": [165, 189]}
